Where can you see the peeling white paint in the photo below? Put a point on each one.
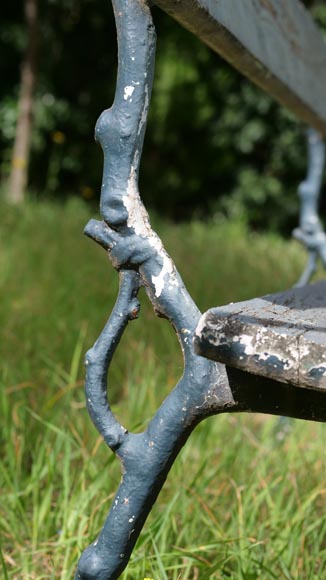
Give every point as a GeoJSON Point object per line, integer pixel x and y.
{"type": "Point", "coordinates": [255, 346]}
{"type": "Point", "coordinates": [143, 117]}
{"type": "Point", "coordinates": [138, 220]}
{"type": "Point", "coordinates": [246, 340]}
{"type": "Point", "coordinates": [158, 281]}
{"type": "Point", "coordinates": [128, 92]}
{"type": "Point", "coordinates": [304, 350]}
{"type": "Point", "coordinates": [261, 335]}
{"type": "Point", "coordinates": [264, 356]}
{"type": "Point", "coordinates": [200, 326]}
{"type": "Point", "coordinates": [137, 214]}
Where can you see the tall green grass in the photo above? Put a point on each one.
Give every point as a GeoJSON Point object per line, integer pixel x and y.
{"type": "Point", "coordinates": [245, 499]}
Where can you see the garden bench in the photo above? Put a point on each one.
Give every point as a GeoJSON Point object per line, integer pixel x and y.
{"type": "Point", "coordinates": [273, 347]}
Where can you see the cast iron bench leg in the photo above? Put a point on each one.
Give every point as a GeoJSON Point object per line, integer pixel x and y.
{"type": "Point", "coordinates": [310, 232]}
{"type": "Point", "coordinates": [138, 254]}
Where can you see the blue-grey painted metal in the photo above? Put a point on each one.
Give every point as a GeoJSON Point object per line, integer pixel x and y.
{"type": "Point", "coordinates": [310, 231]}
{"type": "Point", "coordinates": [138, 254]}
{"type": "Point", "coordinates": [206, 386]}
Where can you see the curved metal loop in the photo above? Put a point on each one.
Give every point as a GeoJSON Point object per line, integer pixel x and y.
{"type": "Point", "coordinates": [98, 359]}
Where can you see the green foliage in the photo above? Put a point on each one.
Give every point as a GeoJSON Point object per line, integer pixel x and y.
{"type": "Point", "coordinates": [238, 502]}
{"type": "Point", "coordinates": [215, 144]}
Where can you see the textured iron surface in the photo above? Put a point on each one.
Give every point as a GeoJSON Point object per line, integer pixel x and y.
{"type": "Point", "coordinates": [310, 232]}
{"type": "Point", "coordinates": [138, 254]}
{"type": "Point", "coordinates": [280, 336]}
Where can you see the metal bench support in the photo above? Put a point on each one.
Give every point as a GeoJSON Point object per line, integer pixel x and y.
{"type": "Point", "coordinates": [310, 231]}
{"type": "Point", "coordinates": [137, 253]}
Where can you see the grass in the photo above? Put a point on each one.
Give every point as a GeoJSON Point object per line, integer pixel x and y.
{"type": "Point", "coordinates": [245, 499]}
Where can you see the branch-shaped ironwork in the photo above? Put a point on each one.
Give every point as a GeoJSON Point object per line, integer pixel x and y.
{"type": "Point", "coordinates": [310, 231]}
{"type": "Point", "coordinates": [138, 254]}
{"type": "Point", "coordinates": [98, 359]}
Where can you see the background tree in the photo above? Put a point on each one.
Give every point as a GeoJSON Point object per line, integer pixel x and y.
{"type": "Point", "coordinates": [22, 144]}
{"type": "Point", "coordinates": [215, 145]}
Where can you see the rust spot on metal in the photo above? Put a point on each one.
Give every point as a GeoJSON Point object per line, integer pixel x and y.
{"type": "Point", "coordinates": [134, 313]}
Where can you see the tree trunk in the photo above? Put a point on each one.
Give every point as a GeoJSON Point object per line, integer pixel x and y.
{"type": "Point", "coordinates": [19, 169]}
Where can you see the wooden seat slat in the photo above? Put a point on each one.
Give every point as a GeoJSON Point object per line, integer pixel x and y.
{"type": "Point", "coordinates": [279, 336]}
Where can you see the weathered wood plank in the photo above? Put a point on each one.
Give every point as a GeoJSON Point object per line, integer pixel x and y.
{"type": "Point", "coordinates": [279, 336]}
{"type": "Point", "coordinates": [275, 43]}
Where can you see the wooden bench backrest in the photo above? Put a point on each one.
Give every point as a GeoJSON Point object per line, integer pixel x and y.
{"type": "Point", "coordinates": [274, 43]}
